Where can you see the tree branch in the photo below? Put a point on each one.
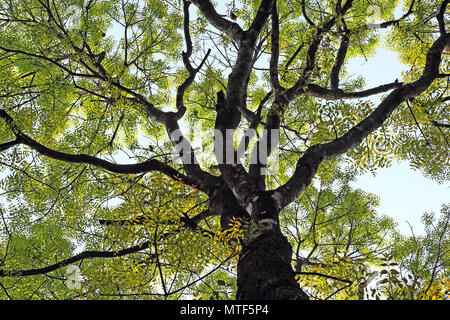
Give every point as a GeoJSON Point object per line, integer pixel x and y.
{"type": "Point", "coordinates": [338, 94]}
{"type": "Point", "coordinates": [305, 15]}
{"type": "Point", "coordinates": [146, 166]}
{"type": "Point", "coordinates": [186, 56]}
{"type": "Point", "coordinates": [275, 50]}
{"type": "Point", "coordinates": [81, 256]}
{"type": "Point", "coordinates": [392, 22]}
{"type": "Point", "coordinates": [440, 17]}
{"type": "Point", "coordinates": [231, 107]}
{"type": "Point", "coordinates": [233, 30]}
{"type": "Point", "coordinates": [308, 164]}
{"type": "Point", "coordinates": [340, 58]}
{"type": "Point", "coordinates": [6, 145]}
{"type": "Point", "coordinates": [440, 125]}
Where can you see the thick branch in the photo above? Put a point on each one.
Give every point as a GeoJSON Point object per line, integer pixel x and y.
{"type": "Point", "coordinates": [237, 79]}
{"type": "Point", "coordinates": [310, 161]}
{"type": "Point", "coordinates": [233, 30]}
{"type": "Point", "coordinates": [179, 141]}
{"type": "Point", "coordinates": [146, 166]}
{"type": "Point", "coordinates": [340, 58]}
{"type": "Point", "coordinates": [6, 145]}
{"type": "Point", "coordinates": [338, 94]}
{"type": "Point", "coordinates": [259, 159]}
{"type": "Point", "coordinates": [232, 107]}
{"type": "Point", "coordinates": [264, 11]}
{"type": "Point", "coordinates": [440, 17]}
{"type": "Point", "coordinates": [275, 48]}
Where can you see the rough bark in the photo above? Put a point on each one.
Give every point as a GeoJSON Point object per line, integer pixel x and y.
{"type": "Point", "coordinates": [264, 269]}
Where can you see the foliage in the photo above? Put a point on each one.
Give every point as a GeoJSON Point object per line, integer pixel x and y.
{"type": "Point", "coordinates": [81, 107]}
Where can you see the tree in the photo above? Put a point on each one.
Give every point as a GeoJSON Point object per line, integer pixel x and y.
{"type": "Point", "coordinates": [99, 172]}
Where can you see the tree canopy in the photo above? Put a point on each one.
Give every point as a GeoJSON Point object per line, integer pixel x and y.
{"type": "Point", "coordinates": [116, 120]}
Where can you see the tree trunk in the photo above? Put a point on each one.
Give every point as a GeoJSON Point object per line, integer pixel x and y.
{"type": "Point", "coordinates": [264, 269]}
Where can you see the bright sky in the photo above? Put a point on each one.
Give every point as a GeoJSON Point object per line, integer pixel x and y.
{"type": "Point", "coordinates": [404, 194]}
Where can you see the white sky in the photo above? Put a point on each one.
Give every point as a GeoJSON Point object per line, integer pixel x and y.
{"type": "Point", "coordinates": [405, 195]}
